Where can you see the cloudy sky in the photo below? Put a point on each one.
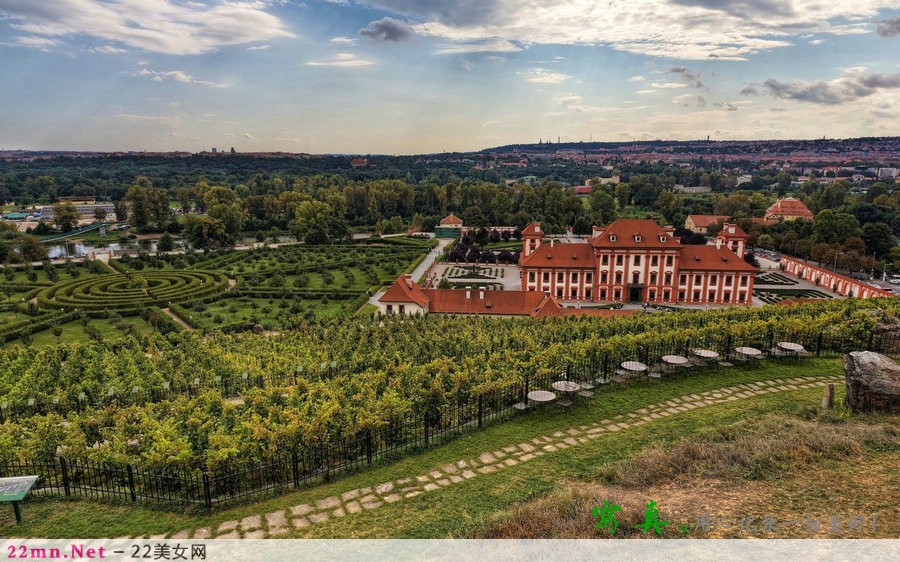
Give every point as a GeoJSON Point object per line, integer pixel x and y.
{"type": "Point", "coordinates": [413, 76]}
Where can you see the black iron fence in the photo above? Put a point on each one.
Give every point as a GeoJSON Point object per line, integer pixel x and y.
{"type": "Point", "coordinates": [303, 466]}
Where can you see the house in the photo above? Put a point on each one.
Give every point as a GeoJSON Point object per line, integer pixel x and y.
{"type": "Point", "coordinates": [449, 227]}
{"type": "Point", "coordinates": [734, 238]}
{"type": "Point", "coordinates": [404, 296]}
{"type": "Point", "coordinates": [636, 260]}
{"type": "Point", "coordinates": [701, 223]}
{"type": "Point", "coordinates": [359, 162]}
{"type": "Point", "coordinates": [788, 209]}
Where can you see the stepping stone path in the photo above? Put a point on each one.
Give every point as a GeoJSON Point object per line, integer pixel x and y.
{"type": "Point", "coordinates": [353, 502]}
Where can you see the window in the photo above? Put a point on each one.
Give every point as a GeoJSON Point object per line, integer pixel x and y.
{"type": "Point", "coordinates": [743, 281]}
{"type": "Point", "coordinates": [711, 296]}
{"type": "Point", "coordinates": [669, 261]}
{"type": "Point", "coordinates": [683, 279]}
{"type": "Point", "coordinates": [402, 309]}
{"type": "Point", "coordinates": [546, 277]}
{"type": "Point", "coordinates": [637, 260]}
{"type": "Point", "coordinates": [743, 297]}
{"type": "Point", "coordinates": [662, 238]}
{"type": "Point", "coordinates": [651, 294]}
{"type": "Point", "coordinates": [653, 278]}
{"type": "Point", "coordinates": [559, 277]}
{"type": "Point", "coordinates": [603, 294]}
{"type": "Point", "coordinates": [618, 278]}
{"type": "Point", "coordinates": [612, 237]}
{"type": "Point", "coordinates": [668, 279]}
{"type": "Point", "coordinates": [604, 260]}
{"type": "Point", "coordinates": [635, 277]}
{"type": "Point", "coordinates": [698, 279]}
{"type": "Point", "coordinates": [390, 309]}
{"type": "Point", "coordinates": [726, 296]}
{"type": "Point", "coordinates": [604, 277]}
{"type": "Point", "coordinates": [654, 261]}
{"type": "Point", "coordinates": [713, 279]}
{"type": "Point", "coordinates": [618, 295]}
{"type": "Point", "coordinates": [728, 280]}
{"type": "Point", "coordinates": [681, 295]}
{"type": "Point", "coordinates": [573, 293]}
{"type": "Point", "coordinates": [667, 294]}
{"type": "Point", "coordinates": [619, 260]}
{"type": "Point", "coordinates": [588, 277]}
{"type": "Point", "coordinates": [575, 278]}
{"type": "Point", "coordinates": [637, 237]}
{"type": "Point", "coordinates": [587, 294]}
{"type": "Point", "coordinates": [697, 296]}
{"type": "Point", "coordinates": [531, 277]}
{"type": "Point", "coordinates": [559, 292]}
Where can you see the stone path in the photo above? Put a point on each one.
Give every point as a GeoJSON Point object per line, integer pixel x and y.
{"type": "Point", "coordinates": [352, 502]}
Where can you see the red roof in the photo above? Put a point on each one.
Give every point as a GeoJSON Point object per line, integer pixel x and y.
{"type": "Point", "coordinates": [404, 289]}
{"type": "Point", "coordinates": [561, 255]}
{"type": "Point", "coordinates": [635, 233]}
{"type": "Point", "coordinates": [710, 258]}
{"type": "Point", "coordinates": [504, 303]}
{"type": "Point", "coordinates": [549, 308]}
{"type": "Point", "coordinates": [451, 220]}
{"type": "Point", "coordinates": [704, 221]}
{"type": "Point", "coordinates": [789, 207]}
{"type": "Point", "coordinates": [533, 229]}
{"type": "Point", "coordinates": [582, 189]}
{"type": "Point", "coordinates": [738, 231]}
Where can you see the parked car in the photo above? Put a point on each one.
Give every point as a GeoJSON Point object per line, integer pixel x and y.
{"type": "Point", "coordinates": [895, 279]}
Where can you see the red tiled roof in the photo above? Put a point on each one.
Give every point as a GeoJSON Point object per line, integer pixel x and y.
{"type": "Point", "coordinates": [789, 207]}
{"type": "Point", "coordinates": [451, 220]}
{"type": "Point", "coordinates": [710, 258]}
{"type": "Point", "coordinates": [625, 231]}
{"type": "Point", "coordinates": [704, 221]}
{"type": "Point", "coordinates": [561, 255]}
{"type": "Point", "coordinates": [404, 289]}
{"type": "Point", "coordinates": [549, 308]}
{"type": "Point", "coordinates": [738, 231]}
{"type": "Point", "coordinates": [533, 229]}
{"type": "Point", "coordinates": [504, 303]}
{"type": "Point", "coordinates": [582, 189]}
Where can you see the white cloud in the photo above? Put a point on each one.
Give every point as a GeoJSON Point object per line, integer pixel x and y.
{"type": "Point", "coordinates": [644, 92]}
{"type": "Point", "coordinates": [176, 75]}
{"type": "Point", "coordinates": [259, 47]}
{"type": "Point", "coordinates": [680, 29]}
{"type": "Point", "coordinates": [637, 78]}
{"type": "Point", "coordinates": [668, 85]}
{"type": "Point", "coordinates": [816, 41]}
{"type": "Point", "coordinates": [544, 76]}
{"type": "Point", "coordinates": [493, 45]}
{"type": "Point", "coordinates": [347, 41]}
{"type": "Point", "coordinates": [36, 42]}
{"type": "Point", "coordinates": [109, 50]}
{"type": "Point", "coordinates": [342, 60]}
{"type": "Point", "coordinates": [161, 26]}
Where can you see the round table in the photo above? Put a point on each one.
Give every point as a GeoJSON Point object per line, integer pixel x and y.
{"type": "Point", "coordinates": [790, 346]}
{"type": "Point", "coordinates": [706, 354]}
{"type": "Point", "coordinates": [674, 359]}
{"type": "Point", "coordinates": [749, 351]}
{"type": "Point", "coordinates": [635, 366]}
{"type": "Point", "coordinates": [566, 386]}
{"type": "Point", "coordinates": [541, 396]}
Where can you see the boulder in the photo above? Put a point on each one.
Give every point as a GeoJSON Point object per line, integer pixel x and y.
{"type": "Point", "coordinates": [873, 382]}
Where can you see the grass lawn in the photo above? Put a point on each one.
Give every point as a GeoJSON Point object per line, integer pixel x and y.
{"type": "Point", "coordinates": [476, 507]}
{"type": "Point", "coordinates": [74, 332]}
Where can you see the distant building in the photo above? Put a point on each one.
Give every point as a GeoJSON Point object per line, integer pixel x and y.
{"type": "Point", "coordinates": [84, 211]}
{"type": "Point", "coordinates": [691, 189]}
{"type": "Point", "coordinates": [15, 216]}
{"type": "Point", "coordinates": [887, 173]}
{"type": "Point", "coordinates": [449, 227]}
{"type": "Point", "coordinates": [734, 238]}
{"type": "Point", "coordinates": [359, 162]}
{"type": "Point", "coordinates": [701, 223]}
{"type": "Point", "coordinates": [788, 209]}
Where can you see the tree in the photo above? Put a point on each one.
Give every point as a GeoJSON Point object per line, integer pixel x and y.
{"type": "Point", "coordinates": [166, 243]}
{"type": "Point", "coordinates": [623, 195]}
{"type": "Point", "coordinates": [121, 210]}
{"type": "Point", "coordinates": [30, 248]}
{"type": "Point", "coordinates": [833, 228]}
{"type": "Point", "coordinates": [668, 204]}
{"type": "Point", "coordinates": [603, 208]}
{"type": "Point", "coordinates": [138, 198]}
{"type": "Point", "coordinates": [99, 214]}
{"type": "Point", "coordinates": [311, 222]}
{"type": "Point", "coordinates": [879, 239]}
{"type": "Point", "coordinates": [205, 233]}
{"type": "Point", "coordinates": [232, 219]}
{"type": "Point", "coordinates": [65, 216]}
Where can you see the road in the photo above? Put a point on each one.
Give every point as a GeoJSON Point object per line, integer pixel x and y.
{"type": "Point", "coordinates": [420, 269]}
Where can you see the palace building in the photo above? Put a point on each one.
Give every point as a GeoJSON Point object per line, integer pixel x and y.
{"type": "Point", "coordinates": [636, 260]}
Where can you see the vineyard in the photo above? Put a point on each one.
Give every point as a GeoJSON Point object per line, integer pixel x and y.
{"type": "Point", "coordinates": [230, 415]}
{"type": "Point", "coordinates": [232, 290]}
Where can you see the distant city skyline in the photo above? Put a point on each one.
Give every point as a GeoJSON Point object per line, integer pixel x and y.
{"type": "Point", "coordinates": [410, 77]}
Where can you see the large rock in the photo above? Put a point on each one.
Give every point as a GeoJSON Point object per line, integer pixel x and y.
{"type": "Point", "coordinates": [873, 382]}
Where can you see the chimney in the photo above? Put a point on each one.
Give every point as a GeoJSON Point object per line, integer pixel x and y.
{"type": "Point", "coordinates": [408, 279]}
{"type": "Point", "coordinates": [551, 242]}
{"type": "Point", "coordinates": [481, 293]}
{"type": "Point", "coordinates": [718, 243]}
{"type": "Point", "coordinates": [468, 293]}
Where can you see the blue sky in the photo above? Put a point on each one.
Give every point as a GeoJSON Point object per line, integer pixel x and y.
{"type": "Point", "coordinates": [415, 76]}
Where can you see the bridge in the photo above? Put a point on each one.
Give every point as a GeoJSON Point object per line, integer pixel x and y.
{"type": "Point", "coordinates": [75, 232]}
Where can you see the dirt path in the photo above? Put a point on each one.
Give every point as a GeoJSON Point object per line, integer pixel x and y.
{"type": "Point", "coordinates": [178, 320]}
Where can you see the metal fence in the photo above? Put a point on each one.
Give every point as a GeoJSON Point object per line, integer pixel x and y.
{"type": "Point", "coordinates": [300, 467]}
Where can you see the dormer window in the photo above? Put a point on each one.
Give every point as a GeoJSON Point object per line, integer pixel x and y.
{"type": "Point", "coordinates": [662, 238]}
{"type": "Point", "coordinates": [637, 238]}
{"type": "Point", "coordinates": [612, 237]}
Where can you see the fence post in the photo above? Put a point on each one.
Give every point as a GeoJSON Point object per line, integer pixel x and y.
{"type": "Point", "coordinates": [65, 475]}
{"type": "Point", "coordinates": [131, 483]}
{"type": "Point", "coordinates": [480, 410]}
{"type": "Point", "coordinates": [369, 446]}
{"type": "Point", "coordinates": [295, 468]}
{"type": "Point", "coordinates": [426, 424]}
{"type": "Point", "coordinates": [207, 497]}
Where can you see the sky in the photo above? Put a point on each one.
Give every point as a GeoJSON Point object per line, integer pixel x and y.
{"type": "Point", "coordinates": [425, 76]}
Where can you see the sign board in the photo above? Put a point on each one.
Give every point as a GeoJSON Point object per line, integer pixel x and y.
{"type": "Point", "coordinates": [16, 488]}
